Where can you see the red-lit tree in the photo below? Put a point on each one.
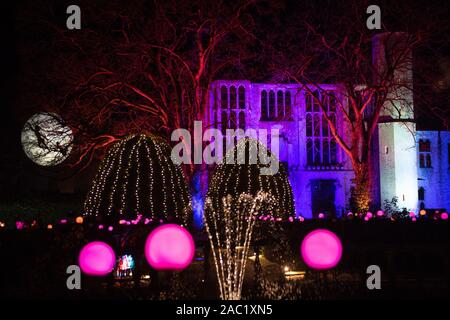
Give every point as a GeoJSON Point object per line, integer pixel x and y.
{"type": "Point", "coordinates": [334, 45]}
{"type": "Point", "coordinates": [134, 68]}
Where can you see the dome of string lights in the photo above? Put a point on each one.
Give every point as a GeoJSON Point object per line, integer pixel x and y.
{"type": "Point", "coordinates": [137, 178]}
{"type": "Point", "coordinates": [236, 179]}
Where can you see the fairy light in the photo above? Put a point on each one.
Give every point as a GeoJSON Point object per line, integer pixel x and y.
{"type": "Point", "coordinates": [230, 179]}
{"type": "Point", "coordinates": [230, 233]}
{"type": "Point", "coordinates": [137, 177]}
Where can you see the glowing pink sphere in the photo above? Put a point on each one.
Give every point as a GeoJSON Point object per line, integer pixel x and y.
{"type": "Point", "coordinates": [369, 215]}
{"type": "Point", "coordinates": [321, 216]}
{"type": "Point", "coordinates": [380, 213]}
{"type": "Point", "coordinates": [444, 215]}
{"type": "Point", "coordinates": [97, 258]}
{"type": "Point", "coordinates": [321, 249]}
{"type": "Point", "coordinates": [169, 247]}
{"type": "Point", "coordinates": [412, 214]}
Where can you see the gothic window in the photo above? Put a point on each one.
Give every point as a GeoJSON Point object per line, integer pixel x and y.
{"type": "Point", "coordinates": [233, 124]}
{"type": "Point", "coordinates": [287, 101]}
{"type": "Point", "coordinates": [317, 151]}
{"type": "Point", "coordinates": [241, 94]}
{"type": "Point", "coordinates": [264, 106]}
{"type": "Point", "coordinates": [224, 121]}
{"type": "Point", "coordinates": [224, 97]}
{"type": "Point", "coordinates": [324, 148]}
{"type": "Point", "coordinates": [421, 193]}
{"type": "Point", "coordinates": [316, 101]}
{"type": "Point", "coordinates": [232, 97]}
{"type": "Point", "coordinates": [280, 104]}
{"type": "Point", "coordinates": [308, 125]}
{"type": "Point", "coordinates": [271, 105]}
{"type": "Point", "coordinates": [308, 102]}
{"type": "Point", "coordinates": [276, 105]}
{"type": "Point", "coordinates": [309, 151]}
{"type": "Point", "coordinates": [424, 154]}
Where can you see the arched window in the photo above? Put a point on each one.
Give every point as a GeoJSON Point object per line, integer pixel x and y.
{"type": "Point", "coordinates": [271, 105]}
{"type": "Point", "coordinates": [308, 102]}
{"type": "Point", "coordinates": [425, 153]}
{"type": "Point", "coordinates": [316, 101]}
{"type": "Point", "coordinates": [421, 193]}
{"type": "Point", "coordinates": [317, 125]}
{"type": "Point", "coordinates": [241, 93]}
{"type": "Point", "coordinates": [317, 159]}
{"type": "Point", "coordinates": [233, 97]}
{"type": "Point", "coordinates": [326, 152]}
{"type": "Point", "coordinates": [224, 97]}
{"type": "Point", "coordinates": [264, 106]}
{"type": "Point", "coordinates": [287, 102]}
{"type": "Point", "coordinates": [308, 125]}
{"type": "Point", "coordinates": [324, 146]}
{"type": "Point", "coordinates": [309, 152]}
{"type": "Point", "coordinates": [233, 124]}
{"type": "Point", "coordinates": [242, 120]}
{"type": "Point", "coordinates": [280, 104]}
{"type": "Point", "coordinates": [224, 120]}
{"type": "Point", "coordinates": [324, 126]}
{"type": "Point", "coordinates": [333, 151]}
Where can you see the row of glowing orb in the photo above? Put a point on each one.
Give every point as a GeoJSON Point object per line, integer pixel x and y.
{"type": "Point", "coordinates": [171, 247]}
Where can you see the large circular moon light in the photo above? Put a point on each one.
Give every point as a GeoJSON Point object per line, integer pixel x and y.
{"type": "Point", "coordinates": [169, 247]}
{"type": "Point", "coordinates": [46, 140]}
{"type": "Point", "coordinates": [321, 249]}
{"type": "Point", "coordinates": [97, 259]}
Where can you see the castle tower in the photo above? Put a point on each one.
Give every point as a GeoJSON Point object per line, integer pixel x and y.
{"type": "Point", "coordinates": [396, 128]}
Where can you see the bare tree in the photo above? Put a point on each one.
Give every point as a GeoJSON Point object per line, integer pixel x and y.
{"type": "Point", "coordinates": [336, 48]}
{"type": "Point", "coordinates": [138, 67]}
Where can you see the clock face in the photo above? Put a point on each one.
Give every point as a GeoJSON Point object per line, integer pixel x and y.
{"type": "Point", "coordinates": [46, 140]}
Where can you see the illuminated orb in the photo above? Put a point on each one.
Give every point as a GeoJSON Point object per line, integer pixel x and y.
{"type": "Point", "coordinates": [412, 214]}
{"type": "Point", "coordinates": [444, 215]}
{"type": "Point", "coordinates": [380, 213]}
{"type": "Point", "coordinates": [169, 247]}
{"type": "Point", "coordinates": [422, 212]}
{"type": "Point", "coordinates": [79, 220]}
{"type": "Point", "coordinates": [321, 249]}
{"type": "Point", "coordinates": [97, 258]}
{"type": "Point", "coordinates": [369, 215]}
{"type": "Point", "coordinates": [46, 140]}
{"type": "Point", "coordinates": [321, 216]}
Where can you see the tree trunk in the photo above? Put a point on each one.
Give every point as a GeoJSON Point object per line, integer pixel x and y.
{"type": "Point", "coordinates": [361, 193]}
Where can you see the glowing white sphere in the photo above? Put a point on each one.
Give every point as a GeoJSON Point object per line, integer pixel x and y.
{"type": "Point", "coordinates": [46, 140]}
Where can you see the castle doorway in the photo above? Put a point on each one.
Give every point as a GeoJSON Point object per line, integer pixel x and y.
{"type": "Point", "coordinates": [323, 194]}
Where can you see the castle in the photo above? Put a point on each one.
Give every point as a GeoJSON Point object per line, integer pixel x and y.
{"type": "Point", "coordinates": [412, 165]}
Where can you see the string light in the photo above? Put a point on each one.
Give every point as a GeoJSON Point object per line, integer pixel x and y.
{"type": "Point", "coordinates": [137, 177]}
{"type": "Point", "coordinates": [237, 178]}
